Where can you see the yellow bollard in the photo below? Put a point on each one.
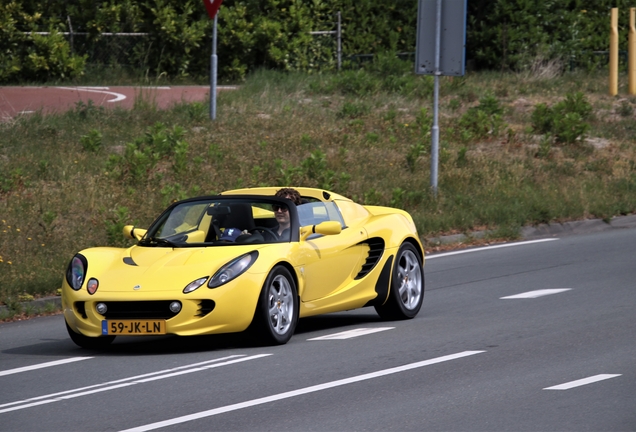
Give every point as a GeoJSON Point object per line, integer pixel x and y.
{"type": "Point", "coordinates": [613, 54]}
{"type": "Point", "coordinates": [631, 66]}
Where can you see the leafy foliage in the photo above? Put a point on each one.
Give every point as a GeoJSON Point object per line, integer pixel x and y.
{"type": "Point", "coordinates": [29, 56]}
{"type": "Point", "coordinates": [275, 34]}
{"type": "Point", "coordinates": [482, 121]}
{"type": "Point", "coordinates": [141, 156]}
{"type": "Point", "coordinates": [512, 34]}
{"type": "Point", "coordinates": [566, 120]}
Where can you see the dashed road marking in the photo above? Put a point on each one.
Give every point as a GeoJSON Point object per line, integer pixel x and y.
{"type": "Point", "coordinates": [536, 294]}
{"type": "Point", "coordinates": [582, 382]}
{"type": "Point", "coordinates": [42, 365]}
{"type": "Point", "coordinates": [351, 333]}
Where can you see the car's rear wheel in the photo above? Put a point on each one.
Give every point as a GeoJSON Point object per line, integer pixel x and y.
{"type": "Point", "coordinates": [277, 310]}
{"type": "Point", "coordinates": [407, 286]}
{"type": "Point", "coordinates": [89, 342]}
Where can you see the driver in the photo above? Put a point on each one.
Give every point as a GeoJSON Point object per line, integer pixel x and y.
{"type": "Point", "coordinates": [282, 212]}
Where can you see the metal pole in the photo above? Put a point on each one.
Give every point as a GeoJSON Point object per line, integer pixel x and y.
{"type": "Point", "coordinates": [339, 40]}
{"type": "Point", "coordinates": [213, 72]}
{"type": "Point", "coordinates": [435, 129]}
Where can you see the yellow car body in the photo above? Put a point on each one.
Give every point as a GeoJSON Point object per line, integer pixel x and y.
{"type": "Point", "coordinates": [182, 278]}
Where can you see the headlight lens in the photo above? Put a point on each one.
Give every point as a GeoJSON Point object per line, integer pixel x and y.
{"type": "Point", "coordinates": [194, 285]}
{"type": "Point", "coordinates": [76, 272]}
{"type": "Point", "coordinates": [232, 269]}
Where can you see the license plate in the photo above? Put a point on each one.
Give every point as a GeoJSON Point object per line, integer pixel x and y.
{"type": "Point", "coordinates": [133, 327]}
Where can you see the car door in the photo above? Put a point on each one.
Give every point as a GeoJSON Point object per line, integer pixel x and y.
{"type": "Point", "coordinates": [330, 261]}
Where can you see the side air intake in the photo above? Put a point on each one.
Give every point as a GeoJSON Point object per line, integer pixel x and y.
{"type": "Point", "coordinates": [376, 249]}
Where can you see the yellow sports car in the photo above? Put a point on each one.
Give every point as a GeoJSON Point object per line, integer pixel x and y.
{"type": "Point", "coordinates": [246, 260]}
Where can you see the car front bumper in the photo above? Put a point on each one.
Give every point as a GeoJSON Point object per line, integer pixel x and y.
{"type": "Point", "coordinates": [227, 309]}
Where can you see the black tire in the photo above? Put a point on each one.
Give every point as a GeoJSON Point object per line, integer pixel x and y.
{"type": "Point", "coordinates": [406, 292]}
{"type": "Point", "coordinates": [95, 343]}
{"type": "Point", "coordinates": [276, 313]}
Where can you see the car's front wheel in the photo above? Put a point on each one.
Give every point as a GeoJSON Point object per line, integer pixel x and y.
{"type": "Point", "coordinates": [89, 342]}
{"type": "Point", "coordinates": [277, 309]}
{"type": "Point", "coordinates": [407, 286]}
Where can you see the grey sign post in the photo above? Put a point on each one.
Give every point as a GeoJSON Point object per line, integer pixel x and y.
{"type": "Point", "coordinates": [212, 7]}
{"type": "Point", "coordinates": [213, 74]}
{"type": "Point", "coordinates": [440, 51]}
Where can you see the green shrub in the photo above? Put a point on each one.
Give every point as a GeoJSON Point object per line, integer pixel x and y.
{"type": "Point", "coordinates": [92, 141]}
{"type": "Point", "coordinates": [569, 127]}
{"type": "Point", "coordinates": [565, 120]}
{"type": "Point", "coordinates": [415, 151]}
{"type": "Point", "coordinates": [32, 57]}
{"type": "Point", "coordinates": [575, 103]}
{"type": "Point", "coordinates": [358, 83]}
{"type": "Point", "coordinates": [142, 154]}
{"type": "Point", "coordinates": [115, 222]}
{"type": "Point", "coordinates": [352, 110]}
{"type": "Point", "coordinates": [542, 119]}
{"type": "Point", "coordinates": [482, 121]}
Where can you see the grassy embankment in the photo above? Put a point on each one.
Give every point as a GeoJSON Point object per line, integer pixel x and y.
{"type": "Point", "coordinates": [72, 180]}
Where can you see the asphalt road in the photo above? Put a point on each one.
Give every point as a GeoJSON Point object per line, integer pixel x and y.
{"type": "Point", "coordinates": [528, 337]}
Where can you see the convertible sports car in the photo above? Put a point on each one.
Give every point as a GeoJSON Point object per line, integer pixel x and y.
{"type": "Point", "coordinates": [216, 264]}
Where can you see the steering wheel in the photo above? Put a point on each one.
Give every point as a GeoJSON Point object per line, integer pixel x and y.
{"type": "Point", "coordinates": [266, 230]}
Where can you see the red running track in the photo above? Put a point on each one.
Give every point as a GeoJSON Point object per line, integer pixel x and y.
{"type": "Point", "coordinates": [16, 101]}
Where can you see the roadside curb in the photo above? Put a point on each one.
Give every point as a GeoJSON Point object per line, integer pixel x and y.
{"type": "Point", "coordinates": [586, 226]}
{"type": "Point", "coordinates": [40, 304]}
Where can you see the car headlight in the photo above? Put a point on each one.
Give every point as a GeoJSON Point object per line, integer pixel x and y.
{"type": "Point", "coordinates": [76, 271]}
{"type": "Point", "coordinates": [232, 269]}
{"type": "Point", "coordinates": [194, 285]}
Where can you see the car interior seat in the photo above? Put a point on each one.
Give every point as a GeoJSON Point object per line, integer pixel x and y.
{"type": "Point", "coordinates": [239, 216]}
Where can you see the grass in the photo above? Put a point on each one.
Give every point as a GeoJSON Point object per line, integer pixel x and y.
{"type": "Point", "coordinates": [71, 181]}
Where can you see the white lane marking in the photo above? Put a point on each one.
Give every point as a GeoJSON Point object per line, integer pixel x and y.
{"type": "Point", "coordinates": [582, 382]}
{"type": "Point", "coordinates": [125, 382]}
{"type": "Point", "coordinates": [352, 333]}
{"type": "Point", "coordinates": [302, 391]}
{"type": "Point", "coordinates": [118, 96]}
{"type": "Point", "coordinates": [536, 294]}
{"type": "Point", "coordinates": [481, 249]}
{"type": "Point", "coordinates": [42, 365]}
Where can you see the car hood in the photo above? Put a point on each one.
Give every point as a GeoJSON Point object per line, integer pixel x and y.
{"type": "Point", "coordinates": [157, 268]}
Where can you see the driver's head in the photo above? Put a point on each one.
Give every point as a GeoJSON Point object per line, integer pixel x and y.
{"type": "Point", "coordinates": [289, 193]}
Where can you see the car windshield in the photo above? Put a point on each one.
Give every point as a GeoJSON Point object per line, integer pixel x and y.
{"type": "Point", "coordinates": [224, 221]}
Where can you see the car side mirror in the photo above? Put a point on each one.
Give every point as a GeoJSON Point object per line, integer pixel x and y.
{"type": "Point", "coordinates": [131, 232]}
{"type": "Point", "coordinates": [324, 228]}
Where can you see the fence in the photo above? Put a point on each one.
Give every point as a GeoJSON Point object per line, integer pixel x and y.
{"type": "Point", "coordinates": [338, 33]}
{"type": "Point", "coordinates": [111, 49]}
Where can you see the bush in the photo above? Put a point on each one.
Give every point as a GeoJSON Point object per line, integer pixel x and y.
{"type": "Point", "coordinates": [142, 154]}
{"type": "Point", "coordinates": [542, 119]}
{"type": "Point", "coordinates": [33, 57]}
{"type": "Point", "coordinates": [565, 121]}
{"type": "Point", "coordinates": [482, 121]}
{"type": "Point", "coordinates": [276, 34]}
